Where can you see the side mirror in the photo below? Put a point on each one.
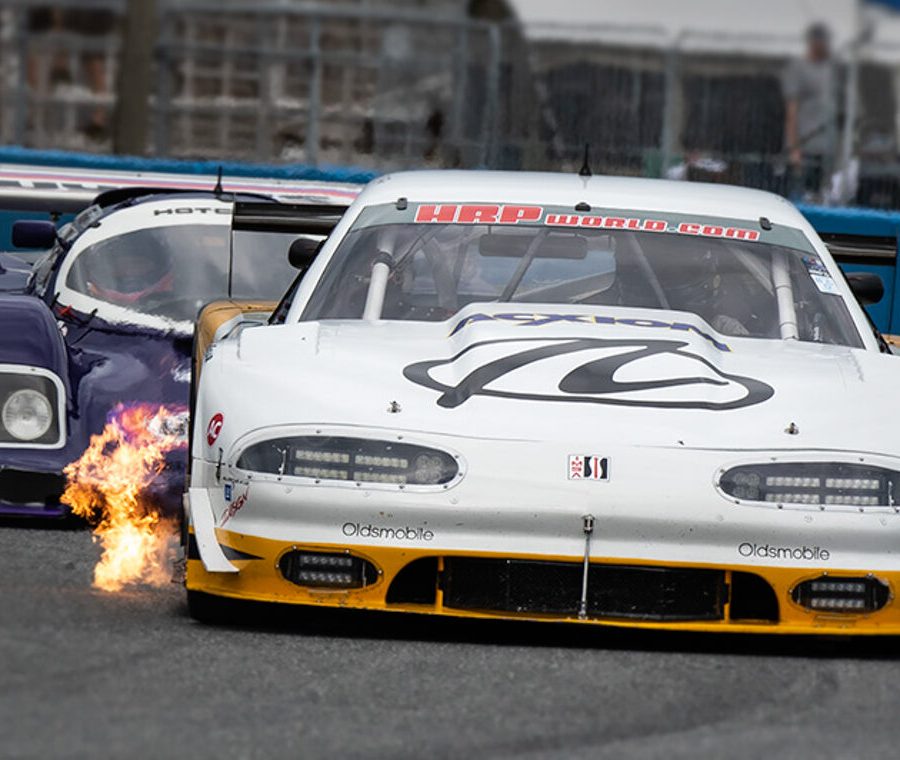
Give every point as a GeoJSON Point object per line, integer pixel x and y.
{"type": "Point", "coordinates": [303, 251]}
{"type": "Point", "coordinates": [866, 286]}
{"type": "Point", "coordinates": [32, 233]}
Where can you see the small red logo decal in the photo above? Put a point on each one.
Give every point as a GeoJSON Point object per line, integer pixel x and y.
{"type": "Point", "coordinates": [214, 428]}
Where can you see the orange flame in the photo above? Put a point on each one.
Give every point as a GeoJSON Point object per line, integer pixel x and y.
{"type": "Point", "coordinates": [109, 485]}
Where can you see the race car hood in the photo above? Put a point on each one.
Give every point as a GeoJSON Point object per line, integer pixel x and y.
{"type": "Point", "coordinates": [591, 374]}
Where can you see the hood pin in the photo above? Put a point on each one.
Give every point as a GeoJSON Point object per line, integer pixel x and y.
{"type": "Point", "coordinates": [588, 529]}
{"type": "Point", "coordinates": [792, 429]}
{"type": "Point", "coordinates": [394, 407]}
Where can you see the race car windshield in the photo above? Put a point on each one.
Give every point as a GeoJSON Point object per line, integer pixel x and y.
{"type": "Point", "coordinates": [173, 271]}
{"type": "Point", "coordinates": [742, 288]}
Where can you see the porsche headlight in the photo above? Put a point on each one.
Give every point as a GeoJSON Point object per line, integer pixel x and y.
{"type": "Point", "coordinates": [359, 460]}
{"type": "Point", "coordinates": [812, 483]}
{"type": "Point", "coordinates": [27, 414]}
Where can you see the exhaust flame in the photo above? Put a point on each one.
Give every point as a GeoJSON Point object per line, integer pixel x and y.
{"type": "Point", "coordinates": [110, 486]}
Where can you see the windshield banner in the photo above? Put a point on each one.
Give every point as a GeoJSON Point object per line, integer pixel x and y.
{"type": "Point", "coordinates": [600, 219]}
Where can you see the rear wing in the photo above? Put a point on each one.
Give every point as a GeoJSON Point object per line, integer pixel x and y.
{"type": "Point", "coordinates": [861, 250]}
{"type": "Point", "coordinates": [299, 218]}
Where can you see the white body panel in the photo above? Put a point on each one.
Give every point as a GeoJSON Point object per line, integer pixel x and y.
{"type": "Point", "coordinates": [665, 447]}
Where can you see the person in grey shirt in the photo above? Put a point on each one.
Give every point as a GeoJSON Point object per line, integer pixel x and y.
{"type": "Point", "coordinates": [808, 87]}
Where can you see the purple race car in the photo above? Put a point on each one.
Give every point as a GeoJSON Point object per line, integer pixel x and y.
{"type": "Point", "coordinates": [106, 316]}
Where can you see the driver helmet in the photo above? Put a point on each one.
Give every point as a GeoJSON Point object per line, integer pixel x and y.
{"type": "Point", "coordinates": [128, 276]}
{"type": "Point", "coordinates": [689, 279]}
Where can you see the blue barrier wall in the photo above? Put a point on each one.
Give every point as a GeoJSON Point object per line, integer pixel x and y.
{"type": "Point", "coordinates": [16, 155]}
{"type": "Point", "coordinates": [867, 223]}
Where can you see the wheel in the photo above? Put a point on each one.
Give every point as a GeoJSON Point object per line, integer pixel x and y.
{"type": "Point", "coordinates": [209, 609]}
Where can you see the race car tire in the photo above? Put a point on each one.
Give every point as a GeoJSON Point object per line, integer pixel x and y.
{"type": "Point", "coordinates": [211, 610]}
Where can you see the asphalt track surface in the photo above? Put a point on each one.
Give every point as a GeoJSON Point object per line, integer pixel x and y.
{"type": "Point", "coordinates": [130, 675]}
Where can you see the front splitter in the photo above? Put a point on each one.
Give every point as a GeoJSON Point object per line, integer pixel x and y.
{"type": "Point", "coordinates": [260, 579]}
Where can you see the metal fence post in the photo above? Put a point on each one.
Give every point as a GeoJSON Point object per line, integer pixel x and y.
{"type": "Point", "coordinates": [264, 26]}
{"type": "Point", "coordinates": [457, 127]}
{"type": "Point", "coordinates": [162, 129]}
{"type": "Point", "coordinates": [20, 112]}
{"type": "Point", "coordinates": [671, 108]}
{"type": "Point", "coordinates": [492, 92]}
{"type": "Point", "coordinates": [851, 104]}
{"type": "Point", "coordinates": [315, 92]}
{"type": "Point", "coordinates": [135, 78]}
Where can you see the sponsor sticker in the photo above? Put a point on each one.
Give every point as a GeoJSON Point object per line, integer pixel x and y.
{"type": "Point", "coordinates": [584, 376]}
{"type": "Point", "coordinates": [403, 533]}
{"type": "Point", "coordinates": [819, 275]}
{"type": "Point", "coordinates": [769, 551]}
{"type": "Point", "coordinates": [229, 491]}
{"type": "Point", "coordinates": [182, 210]}
{"type": "Point", "coordinates": [214, 427]}
{"type": "Point", "coordinates": [234, 507]}
{"type": "Point", "coordinates": [588, 467]}
{"type": "Point", "coordinates": [824, 283]}
{"type": "Point", "coordinates": [814, 265]}
{"type": "Point", "coordinates": [451, 213]}
{"type": "Point", "coordinates": [537, 319]}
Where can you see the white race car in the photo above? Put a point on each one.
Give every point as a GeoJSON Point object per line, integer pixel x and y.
{"type": "Point", "coordinates": [548, 397]}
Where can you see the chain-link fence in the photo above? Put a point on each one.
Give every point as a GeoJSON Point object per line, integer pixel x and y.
{"type": "Point", "coordinates": [57, 68]}
{"type": "Point", "coordinates": [421, 83]}
{"type": "Point", "coordinates": [373, 89]}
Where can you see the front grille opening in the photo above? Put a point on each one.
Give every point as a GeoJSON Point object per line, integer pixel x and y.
{"type": "Point", "coordinates": [327, 570]}
{"type": "Point", "coordinates": [752, 598]}
{"type": "Point", "coordinates": [616, 591]}
{"type": "Point", "coordinates": [39, 489]}
{"type": "Point", "coordinates": [831, 593]}
{"type": "Point", "coordinates": [416, 583]}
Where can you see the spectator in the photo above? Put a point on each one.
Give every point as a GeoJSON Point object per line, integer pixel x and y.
{"type": "Point", "coordinates": [808, 86]}
{"type": "Point", "coordinates": [42, 20]}
{"type": "Point", "coordinates": [86, 23]}
{"type": "Point", "coordinates": [96, 24]}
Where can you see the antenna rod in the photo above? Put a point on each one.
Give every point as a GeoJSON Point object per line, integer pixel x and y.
{"type": "Point", "coordinates": [585, 170]}
{"type": "Point", "coordinates": [218, 188]}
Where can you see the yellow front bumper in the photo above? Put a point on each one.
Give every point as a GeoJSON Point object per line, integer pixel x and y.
{"type": "Point", "coordinates": [260, 579]}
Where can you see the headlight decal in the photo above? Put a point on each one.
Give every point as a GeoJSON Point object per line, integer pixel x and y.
{"type": "Point", "coordinates": [27, 414]}
{"type": "Point", "coordinates": [31, 408]}
{"type": "Point", "coordinates": [812, 484]}
{"type": "Point", "coordinates": [352, 460]}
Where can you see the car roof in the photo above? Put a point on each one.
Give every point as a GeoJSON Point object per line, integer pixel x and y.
{"type": "Point", "coordinates": [557, 189]}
